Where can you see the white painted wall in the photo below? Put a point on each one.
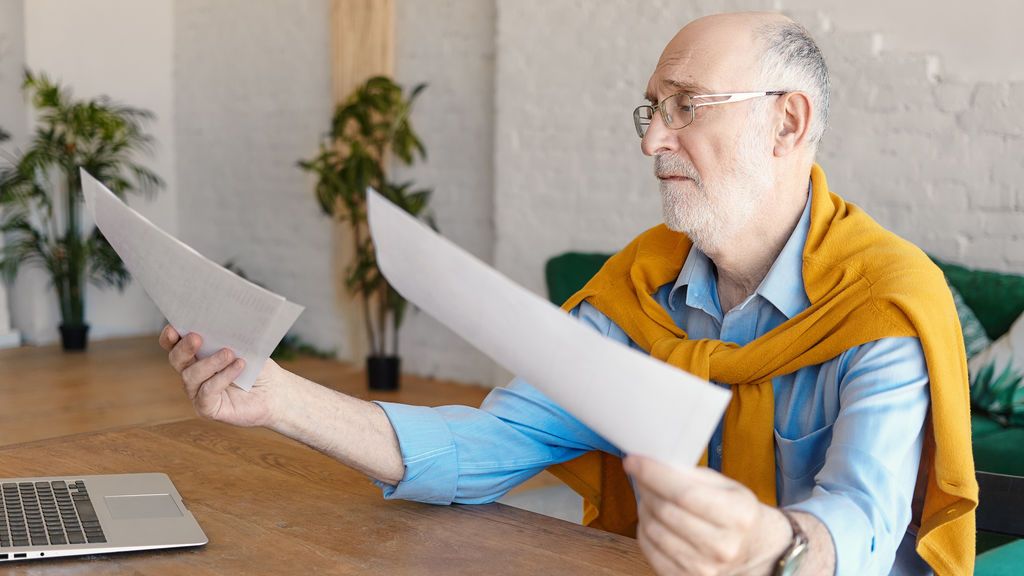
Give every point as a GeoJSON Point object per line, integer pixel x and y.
{"type": "Point", "coordinates": [976, 41]}
{"type": "Point", "coordinates": [12, 119]}
{"type": "Point", "coordinates": [450, 46]}
{"type": "Point", "coordinates": [253, 95]}
{"type": "Point", "coordinates": [120, 48]}
{"type": "Point", "coordinates": [527, 122]}
{"type": "Point", "coordinates": [930, 153]}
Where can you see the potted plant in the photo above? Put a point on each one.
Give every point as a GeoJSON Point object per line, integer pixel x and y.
{"type": "Point", "coordinates": [369, 128]}
{"type": "Point", "coordinates": [41, 194]}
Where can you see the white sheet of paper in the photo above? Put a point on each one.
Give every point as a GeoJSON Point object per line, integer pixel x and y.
{"type": "Point", "coordinates": [194, 293]}
{"type": "Point", "coordinates": [641, 405]}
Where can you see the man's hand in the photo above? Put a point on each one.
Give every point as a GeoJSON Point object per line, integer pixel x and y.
{"type": "Point", "coordinates": [207, 382]}
{"type": "Point", "coordinates": [354, 431]}
{"type": "Point", "coordinates": [700, 522]}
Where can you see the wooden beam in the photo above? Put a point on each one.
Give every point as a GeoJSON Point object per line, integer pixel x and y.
{"type": "Point", "coordinates": [362, 42]}
{"type": "Point", "coordinates": [362, 46]}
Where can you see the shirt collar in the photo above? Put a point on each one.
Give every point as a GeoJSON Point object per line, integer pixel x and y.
{"type": "Point", "coordinates": [783, 286]}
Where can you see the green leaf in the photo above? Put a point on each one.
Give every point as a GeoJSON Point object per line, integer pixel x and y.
{"type": "Point", "coordinates": [369, 128]}
{"type": "Point", "coordinates": [98, 134]}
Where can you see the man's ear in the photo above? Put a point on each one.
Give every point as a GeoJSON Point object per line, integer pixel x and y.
{"type": "Point", "coordinates": [796, 110]}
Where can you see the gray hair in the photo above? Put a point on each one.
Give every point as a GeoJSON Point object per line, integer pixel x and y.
{"type": "Point", "coordinates": [792, 61]}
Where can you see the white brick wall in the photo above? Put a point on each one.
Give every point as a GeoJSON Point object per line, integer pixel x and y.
{"type": "Point", "coordinates": [12, 119]}
{"type": "Point", "coordinates": [932, 156]}
{"type": "Point", "coordinates": [121, 49]}
{"type": "Point", "coordinates": [253, 96]}
{"type": "Point", "coordinates": [449, 44]}
{"type": "Point", "coordinates": [532, 150]}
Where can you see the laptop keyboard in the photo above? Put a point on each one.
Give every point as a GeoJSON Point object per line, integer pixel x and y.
{"type": "Point", "coordinates": [47, 513]}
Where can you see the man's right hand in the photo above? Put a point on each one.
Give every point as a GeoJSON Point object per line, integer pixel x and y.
{"type": "Point", "coordinates": [356, 432]}
{"type": "Point", "coordinates": [207, 382]}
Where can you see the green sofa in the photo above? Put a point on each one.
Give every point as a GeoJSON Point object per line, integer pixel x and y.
{"type": "Point", "coordinates": [997, 300]}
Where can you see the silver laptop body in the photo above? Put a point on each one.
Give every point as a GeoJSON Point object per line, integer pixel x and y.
{"type": "Point", "coordinates": [69, 516]}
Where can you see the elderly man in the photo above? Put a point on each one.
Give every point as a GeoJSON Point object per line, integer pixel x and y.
{"type": "Point", "coordinates": [839, 341]}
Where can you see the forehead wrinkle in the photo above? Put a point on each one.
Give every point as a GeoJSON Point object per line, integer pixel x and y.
{"type": "Point", "coordinates": [671, 73]}
{"type": "Point", "coordinates": [691, 87]}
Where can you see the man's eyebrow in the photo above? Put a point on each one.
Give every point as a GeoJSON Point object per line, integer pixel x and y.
{"type": "Point", "coordinates": [689, 87]}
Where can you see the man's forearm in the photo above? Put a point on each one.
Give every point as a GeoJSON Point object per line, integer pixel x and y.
{"type": "Point", "coordinates": [353, 431]}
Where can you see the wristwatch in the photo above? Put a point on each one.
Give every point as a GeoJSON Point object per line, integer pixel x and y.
{"type": "Point", "coordinates": [793, 556]}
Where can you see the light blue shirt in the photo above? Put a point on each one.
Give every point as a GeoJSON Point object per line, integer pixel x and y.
{"type": "Point", "coordinates": [848, 433]}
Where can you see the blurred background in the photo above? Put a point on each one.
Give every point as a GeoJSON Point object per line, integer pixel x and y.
{"type": "Point", "coordinates": [527, 123]}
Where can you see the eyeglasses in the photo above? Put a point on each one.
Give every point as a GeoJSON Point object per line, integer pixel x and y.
{"type": "Point", "coordinates": [678, 110]}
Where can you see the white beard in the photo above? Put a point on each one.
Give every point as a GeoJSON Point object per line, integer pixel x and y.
{"type": "Point", "coordinates": [711, 213]}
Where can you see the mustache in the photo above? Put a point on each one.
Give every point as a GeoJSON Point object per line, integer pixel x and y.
{"type": "Point", "coordinates": [667, 165]}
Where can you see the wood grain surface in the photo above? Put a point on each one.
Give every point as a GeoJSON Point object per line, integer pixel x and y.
{"type": "Point", "coordinates": [268, 505]}
{"type": "Point", "coordinates": [272, 506]}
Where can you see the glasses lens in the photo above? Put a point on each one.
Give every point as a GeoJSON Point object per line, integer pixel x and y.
{"type": "Point", "coordinates": [677, 110]}
{"type": "Point", "coordinates": [642, 119]}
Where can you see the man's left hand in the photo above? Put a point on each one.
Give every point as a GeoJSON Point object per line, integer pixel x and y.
{"type": "Point", "coordinates": [699, 522]}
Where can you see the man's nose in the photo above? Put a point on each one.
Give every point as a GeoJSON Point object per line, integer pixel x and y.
{"type": "Point", "coordinates": [659, 138]}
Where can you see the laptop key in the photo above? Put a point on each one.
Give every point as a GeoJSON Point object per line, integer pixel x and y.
{"type": "Point", "coordinates": [76, 538]}
{"type": "Point", "coordinates": [58, 539]}
{"type": "Point", "coordinates": [86, 511]}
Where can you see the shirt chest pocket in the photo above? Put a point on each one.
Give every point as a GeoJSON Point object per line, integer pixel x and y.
{"type": "Point", "coordinates": [804, 456]}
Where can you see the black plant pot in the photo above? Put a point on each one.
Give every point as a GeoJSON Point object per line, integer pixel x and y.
{"type": "Point", "coordinates": [383, 372]}
{"type": "Point", "coordinates": [74, 338]}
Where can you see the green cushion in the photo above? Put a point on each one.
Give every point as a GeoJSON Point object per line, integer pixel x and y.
{"type": "Point", "coordinates": [1000, 452]}
{"type": "Point", "coordinates": [997, 299]}
{"type": "Point", "coordinates": [567, 273]}
{"type": "Point", "coordinates": [982, 426]}
{"type": "Point", "coordinates": [1005, 560]}
{"type": "Point", "coordinates": [975, 337]}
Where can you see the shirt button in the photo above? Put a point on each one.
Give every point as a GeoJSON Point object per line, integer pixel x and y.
{"type": "Point", "coordinates": [718, 449]}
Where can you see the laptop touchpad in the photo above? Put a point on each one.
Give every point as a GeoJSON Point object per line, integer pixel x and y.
{"type": "Point", "coordinates": [138, 506]}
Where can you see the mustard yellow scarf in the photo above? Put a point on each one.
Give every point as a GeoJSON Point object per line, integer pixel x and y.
{"type": "Point", "coordinates": [864, 283]}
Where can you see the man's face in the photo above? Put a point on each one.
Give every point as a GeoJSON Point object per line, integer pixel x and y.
{"type": "Point", "coordinates": [714, 173]}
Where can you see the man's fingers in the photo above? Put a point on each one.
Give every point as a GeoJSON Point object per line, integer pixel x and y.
{"type": "Point", "coordinates": [184, 352]}
{"type": "Point", "coordinates": [199, 372]}
{"type": "Point", "coordinates": [697, 532]}
{"type": "Point", "coordinates": [168, 337]}
{"type": "Point", "coordinates": [665, 540]}
{"type": "Point", "coordinates": [662, 565]}
{"type": "Point", "coordinates": [698, 491]}
{"type": "Point", "coordinates": [208, 399]}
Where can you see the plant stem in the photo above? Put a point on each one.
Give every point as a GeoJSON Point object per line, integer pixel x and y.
{"type": "Point", "coordinates": [382, 316]}
{"type": "Point", "coordinates": [357, 232]}
{"type": "Point", "coordinates": [75, 256]}
{"type": "Point", "coordinates": [394, 332]}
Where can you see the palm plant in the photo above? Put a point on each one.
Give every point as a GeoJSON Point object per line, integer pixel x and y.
{"type": "Point", "coordinates": [41, 191]}
{"type": "Point", "coordinates": [368, 127]}
{"type": "Point", "coordinates": [999, 394]}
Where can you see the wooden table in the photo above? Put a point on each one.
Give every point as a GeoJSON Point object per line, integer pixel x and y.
{"type": "Point", "coordinates": [267, 504]}
{"type": "Point", "coordinates": [272, 506]}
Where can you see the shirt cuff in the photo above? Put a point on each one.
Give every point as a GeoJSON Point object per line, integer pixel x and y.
{"type": "Point", "coordinates": [852, 534]}
{"type": "Point", "coordinates": [428, 452]}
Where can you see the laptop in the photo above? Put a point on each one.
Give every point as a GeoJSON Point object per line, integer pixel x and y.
{"type": "Point", "coordinates": [76, 515]}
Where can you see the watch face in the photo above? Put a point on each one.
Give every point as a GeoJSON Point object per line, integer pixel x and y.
{"type": "Point", "coordinates": [796, 558]}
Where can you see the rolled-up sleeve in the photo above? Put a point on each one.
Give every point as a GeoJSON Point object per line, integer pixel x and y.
{"type": "Point", "coordinates": [863, 492]}
{"type": "Point", "coordinates": [475, 455]}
